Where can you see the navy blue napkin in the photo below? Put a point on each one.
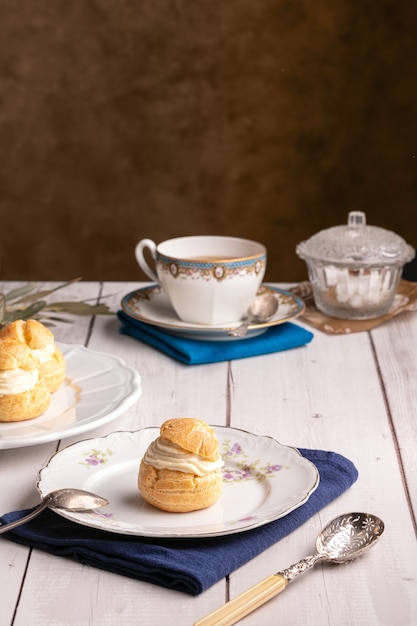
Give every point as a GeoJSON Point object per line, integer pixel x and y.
{"type": "Point", "coordinates": [188, 565]}
{"type": "Point", "coordinates": [195, 351]}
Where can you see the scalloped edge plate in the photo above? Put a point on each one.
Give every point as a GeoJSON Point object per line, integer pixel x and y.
{"type": "Point", "coordinates": [263, 480]}
{"type": "Point", "coordinates": [98, 387]}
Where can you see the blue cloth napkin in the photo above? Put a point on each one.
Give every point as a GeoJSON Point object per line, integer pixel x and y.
{"type": "Point", "coordinates": [188, 565]}
{"type": "Point", "coordinates": [196, 351]}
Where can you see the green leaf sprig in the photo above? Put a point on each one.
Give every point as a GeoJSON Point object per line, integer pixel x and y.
{"type": "Point", "coordinates": [26, 302]}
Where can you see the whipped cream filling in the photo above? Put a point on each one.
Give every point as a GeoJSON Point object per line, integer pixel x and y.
{"type": "Point", "coordinates": [44, 354]}
{"type": "Point", "coordinates": [17, 381]}
{"type": "Point", "coordinates": [165, 455]}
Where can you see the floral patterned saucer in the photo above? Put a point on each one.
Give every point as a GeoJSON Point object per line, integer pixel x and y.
{"type": "Point", "coordinates": [262, 481]}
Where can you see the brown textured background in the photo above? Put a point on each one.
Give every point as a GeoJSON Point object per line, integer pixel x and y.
{"type": "Point", "coordinates": [267, 119]}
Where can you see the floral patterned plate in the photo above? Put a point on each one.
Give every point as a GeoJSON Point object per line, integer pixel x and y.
{"type": "Point", "coordinates": [152, 306]}
{"type": "Point", "coordinates": [262, 481]}
{"type": "Point", "coordinates": [98, 387]}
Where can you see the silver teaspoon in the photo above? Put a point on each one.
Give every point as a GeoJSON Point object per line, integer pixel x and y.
{"type": "Point", "coordinates": [343, 539]}
{"type": "Point", "coordinates": [66, 499]}
{"type": "Point", "coordinates": [261, 310]}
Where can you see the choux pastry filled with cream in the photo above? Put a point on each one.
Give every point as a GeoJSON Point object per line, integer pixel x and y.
{"type": "Point", "coordinates": [41, 342]}
{"type": "Point", "coordinates": [24, 393]}
{"type": "Point", "coordinates": [181, 470]}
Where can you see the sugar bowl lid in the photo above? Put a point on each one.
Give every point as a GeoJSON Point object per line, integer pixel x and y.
{"type": "Point", "coordinates": [356, 244]}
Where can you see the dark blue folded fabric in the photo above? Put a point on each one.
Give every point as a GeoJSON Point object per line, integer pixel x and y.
{"type": "Point", "coordinates": [195, 351]}
{"type": "Point", "coordinates": [188, 565]}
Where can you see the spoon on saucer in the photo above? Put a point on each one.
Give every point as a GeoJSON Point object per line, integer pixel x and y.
{"type": "Point", "coordinates": [66, 499]}
{"type": "Point", "coordinates": [261, 310]}
{"type": "Point", "coordinates": [343, 539]}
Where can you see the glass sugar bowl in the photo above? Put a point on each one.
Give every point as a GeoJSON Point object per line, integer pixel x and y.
{"type": "Point", "coordinates": [354, 270]}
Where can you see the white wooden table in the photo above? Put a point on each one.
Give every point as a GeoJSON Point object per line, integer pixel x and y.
{"type": "Point", "coordinates": [356, 395]}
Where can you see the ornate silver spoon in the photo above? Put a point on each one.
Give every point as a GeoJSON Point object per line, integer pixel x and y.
{"type": "Point", "coordinates": [67, 499]}
{"type": "Point", "coordinates": [261, 310]}
{"type": "Point", "coordinates": [343, 539]}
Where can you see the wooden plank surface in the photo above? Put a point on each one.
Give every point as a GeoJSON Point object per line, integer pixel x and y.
{"type": "Point", "coordinates": [351, 394]}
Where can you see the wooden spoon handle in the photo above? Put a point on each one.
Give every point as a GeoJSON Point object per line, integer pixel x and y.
{"type": "Point", "coordinates": [245, 603]}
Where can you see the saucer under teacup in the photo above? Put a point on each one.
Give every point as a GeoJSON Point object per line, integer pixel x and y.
{"type": "Point", "coordinates": [151, 305]}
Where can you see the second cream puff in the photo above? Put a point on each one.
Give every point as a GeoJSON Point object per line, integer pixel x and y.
{"type": "Point", "coordinates": [23, 392]}
{"type": "Point", "coordinates": [40, 340]}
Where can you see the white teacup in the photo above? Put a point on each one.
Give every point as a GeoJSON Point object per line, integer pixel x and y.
{"type": "Point", "coordinates": [208, 279]}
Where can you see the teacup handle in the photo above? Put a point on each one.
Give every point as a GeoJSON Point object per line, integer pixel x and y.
{"type": "Point", "coordinates": [140, 258]}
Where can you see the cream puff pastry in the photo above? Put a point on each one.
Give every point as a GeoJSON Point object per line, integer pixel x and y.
{"type": "Point", "coordinates": [41, 342]}
{"type": "Point", "coordinates": [24, 393]}
{"type": "Point", "coordinates": [181, 469]}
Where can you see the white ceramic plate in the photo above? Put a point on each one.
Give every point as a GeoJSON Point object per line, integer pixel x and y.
{"type": "Point", "coordinates": [98, 387]}
{"type": "Point", "coordinates": [262, 481]}
{"type": "Point", "coordinates": [152, 306]}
